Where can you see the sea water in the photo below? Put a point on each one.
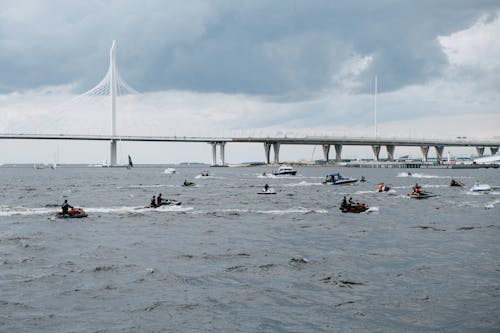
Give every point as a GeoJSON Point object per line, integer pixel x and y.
{"type": "Point", "coordinates": [230, 260]}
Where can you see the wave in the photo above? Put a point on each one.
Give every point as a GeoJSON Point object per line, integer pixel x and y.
{"type": "Point", "coordinates": [17, 210]}
{"type": "Point", "coordinates": [294, 210]}
{"type": "Point", "coordinates": [146, 186]}
{"type": "Point", "coordinates": [208, 177]}
{"type": "Point", "coordinates": [303, 183]}
{"type": "Point", "coordinates": [419, 175]}
{"type": "Point", "coordinates": [13, 211]}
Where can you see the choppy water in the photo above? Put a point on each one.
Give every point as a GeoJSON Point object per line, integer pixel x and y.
{"type": "Point", "coordinates": [229, 260]}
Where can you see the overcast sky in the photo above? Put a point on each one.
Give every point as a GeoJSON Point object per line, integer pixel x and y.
{"type": "Point", "coordinates": [292, 67]}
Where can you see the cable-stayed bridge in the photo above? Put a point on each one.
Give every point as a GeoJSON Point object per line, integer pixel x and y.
{"type": "Point", "coordinates": [113, 85]}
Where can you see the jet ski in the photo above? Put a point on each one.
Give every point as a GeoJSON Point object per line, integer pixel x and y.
{"type": "Point", "coordinates": [166, 202]}
{"type": "Point", "coordinates": [356, 208]}
{"type": "Point", "coordinates": [454, 182]}
{"type": "Point", "coordinates": [421, 195]}
{"type": "Point", "coordinates": [268, 191]}
{"type": "Point", "coordinates": [187, 184]}
{"type": "Point", "coordinates": [74, 213]}
{"type": "Point", "coordinates": [383, 187]}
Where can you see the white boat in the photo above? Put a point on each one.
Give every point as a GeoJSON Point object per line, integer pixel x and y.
{"type": "Point", "coordinates": [285, 170]}
{"type": "Point", "coordinates": [169, 171]}
{"type": "Point", "coordinates": [480, 188]}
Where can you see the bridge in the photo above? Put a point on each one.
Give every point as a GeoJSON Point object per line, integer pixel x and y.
{"type": "Point", "coordinates": [276, 142]}
{"type": "Point", "coordinates": [112, 84]}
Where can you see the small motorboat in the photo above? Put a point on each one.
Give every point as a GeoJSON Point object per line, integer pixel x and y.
{"type": "Point", "coordinates": [187, 184]}
{"type": "Point", "coordinates": [359, 207]}
{"type": "Point", "coordinates": [480, 188]}
{"type": "Point", "coordinates": [74, 213]}
{"type": "Point", "coordinates": [454, 182]}
{"type": "Point", "coordinates": [338, 179]}
{"type": "Point", "coordinates": [169, 171]}
{"type": "Point", "coordinates": [285, 170]}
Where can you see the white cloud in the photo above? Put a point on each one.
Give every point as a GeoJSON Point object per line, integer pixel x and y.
{"type": "Point", "coordinates": [478, 46]}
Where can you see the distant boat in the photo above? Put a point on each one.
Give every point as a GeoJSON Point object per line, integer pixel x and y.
{"type": "Point", "coordinates": [38, 166]}
{"type": "Point", "coordinates": [169, 171]}
{"type": "Point", "coordinates": [284, 170]}
{"type": "Point", "coordinates": [480, 188]}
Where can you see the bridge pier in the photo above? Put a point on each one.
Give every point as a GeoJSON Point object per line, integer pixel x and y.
{"type": "Point", "coordinates": [439, 153]}
{"type": "Point", "coordinates": [276, 148]}
{"type": "Point", "coordinates": [112, 157]}
{"type": "Point", "coordinates": [267, 152]}
{"type": "Point", "coordinates": [390, 152]}
{"type": "Point", "coordinates": [376, 151]}
{"type": "Point", "coordinates": [480, 151]}
{"type": "Point", "coordinates": [494, 150]}
{"type": "Point", "coordinates": [425, 152]}
{"type": "Point", "coordinates": [222, 148]}
{"type": "Point", "coordinates": [221, 145]}
{"type": "Point", "coordinates": [326, 152]}
{"type": "Point", "coordinates": [338, 152]}
{"type": "Point", "coordinates": [214, 153]}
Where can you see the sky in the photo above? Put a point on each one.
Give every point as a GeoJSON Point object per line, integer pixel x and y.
{"type": "Point", "coordinates": [247, 68]}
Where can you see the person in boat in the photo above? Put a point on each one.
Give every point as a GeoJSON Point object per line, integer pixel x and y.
{"type": "Point", "coordinates": [363, 179]}
{"type": "Point", "coordinates": [153, 202]}
{"type": "Point", "coordinates": [159, 200]}
{"type": "Point", "coordinates": [380, 187]}
{"type": "Point", "coordinates": [351, 202]}
{"type": "Point", "coordinates": [344, 202]}
{"type": "Point", "coordinates": [266, 188]}
{"type": "Point", "coordinates": [416, 189]}
{"type": "Point", "coordinates": [65, 207]}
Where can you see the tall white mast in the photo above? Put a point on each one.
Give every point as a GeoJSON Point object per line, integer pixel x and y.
{"type": "Point", "coordinates": [112, 87]}
{"type": "Point", "coordinates": [375, 106]}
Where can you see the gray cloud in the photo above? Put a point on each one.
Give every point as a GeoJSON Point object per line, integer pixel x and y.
{"type": "Point", "coordinates": [278, 48]}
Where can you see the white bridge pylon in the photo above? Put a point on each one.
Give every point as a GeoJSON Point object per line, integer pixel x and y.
{"type": "Point", "coordinates": [112, 85]}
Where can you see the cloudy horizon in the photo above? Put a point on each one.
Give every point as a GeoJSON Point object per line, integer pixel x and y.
{"type": "Point", "coordinates": [248, 67]}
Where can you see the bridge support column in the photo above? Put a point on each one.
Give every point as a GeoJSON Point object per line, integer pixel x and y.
{"type": "Point", "coordinates": [480, 151]}
{"type": "Point", "coordinates": [390, 152]}
{"type": "Point", "coordinates": [338, 153]}
{"type": "Point", "coordinates": [425, 152]}
{"type": "Point", "coordinates": [222, 148]}
{"type": "Point", "coordinates": [494, 150]}
{"type": "Point", "coordinates": [276, 148]}
{"type": "Point", "coordinates": [376, 151]}
{"type": "Point", "coordinates": [439, 153]}
{"type": "Point", "coordinates": [113, 153]}
{"type": "Point", "coordinates": [214, 153]}
{"type": "Point", "coordinates": [267, 152]}
{"type": "Point", "coordinates": [326, 152]}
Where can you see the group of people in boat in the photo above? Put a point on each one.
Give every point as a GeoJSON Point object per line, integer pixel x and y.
{"type": "Point", "coordinates": [347, 203]}
{"type": "Point", "coordinates": [156, 201]}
